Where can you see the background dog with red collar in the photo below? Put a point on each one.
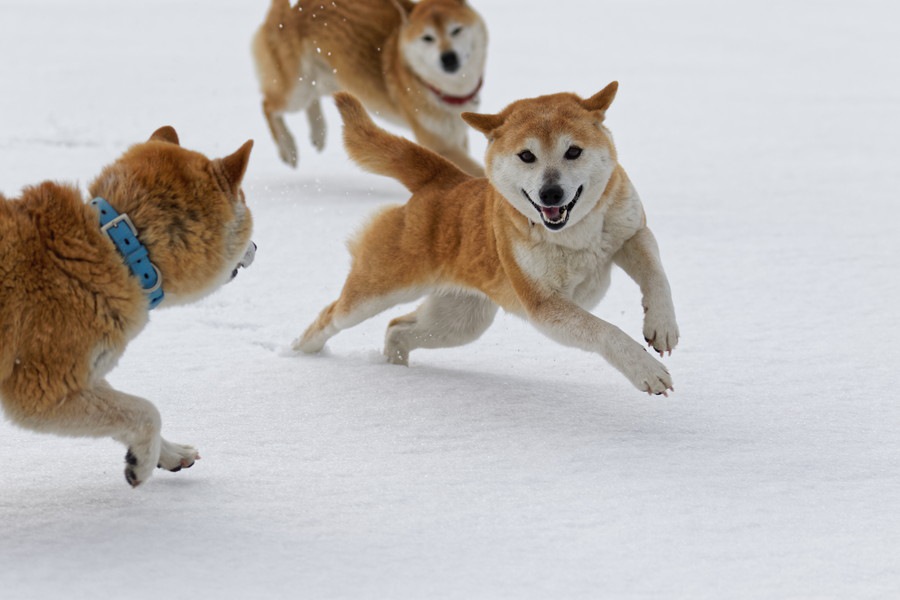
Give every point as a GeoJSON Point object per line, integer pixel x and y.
{"type": "Point", "coordinates": [416, 64]}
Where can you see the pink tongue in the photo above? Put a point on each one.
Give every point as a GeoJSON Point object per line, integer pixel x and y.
{"type": "Point", "coordinates": [551, 213]}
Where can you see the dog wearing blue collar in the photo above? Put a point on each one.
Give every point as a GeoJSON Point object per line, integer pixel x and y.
{"type": "Point", "coordinates": [124, 236]}
{"type": "Point", "coordinates": [166, 226]}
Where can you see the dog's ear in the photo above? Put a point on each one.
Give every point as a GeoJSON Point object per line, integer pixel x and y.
{"type": "Point", "coordinates": [482, 122]}
{"type": "Point", "coordinates": [235, 165]}
{"type": "Point", "coordinates": [600, 101]}
{"type": "Point", "coordinates": [165, 134]}
{"type": "Point", "coordinates": [404, 7]}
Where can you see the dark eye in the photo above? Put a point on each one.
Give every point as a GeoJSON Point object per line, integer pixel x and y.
{"type": "Point", "coordinates": [573, 152]}
{"type": "Point", "coordinates": [428, 38]}
{"type": "Point", "coordinates": [456, 31]}
{"type": "Point", "coordinates": [527, 156]}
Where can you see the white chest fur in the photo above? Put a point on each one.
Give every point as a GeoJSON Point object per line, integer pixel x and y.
{"type": "Point", "coordinates": [577, 263]}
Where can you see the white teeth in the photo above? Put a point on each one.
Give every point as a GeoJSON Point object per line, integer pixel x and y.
{"type": "Point", "coordinates": [563, 213]}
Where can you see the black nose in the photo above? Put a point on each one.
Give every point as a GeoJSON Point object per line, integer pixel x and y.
{"type": "Point", "coordinates": [552, 194]}
{"type": "Point", "coordinates": [450, 61]}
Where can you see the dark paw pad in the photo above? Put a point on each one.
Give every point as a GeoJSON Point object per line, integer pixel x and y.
{"type": "Point", "coordinates": [131, 477]}
{"type": "Point", "coordinates": [176, 468]}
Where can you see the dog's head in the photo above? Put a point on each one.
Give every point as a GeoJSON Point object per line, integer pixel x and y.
{"type": "Point", "coordinates": [551, 157]}
{"type": "Point", "coordinates": [445, 43]}
{"type": "Point", "coordinates": [190, 212]}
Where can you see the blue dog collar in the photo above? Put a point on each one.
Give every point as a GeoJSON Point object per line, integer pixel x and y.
{"type": "Point", "coordinates": [124, 236]}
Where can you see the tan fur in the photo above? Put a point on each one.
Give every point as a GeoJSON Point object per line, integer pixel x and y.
{"type": "Point", "coordinates": [69, 304]}
{"type": "Point", "coordinates": [316, 48]}
{"type": "Point", "coordinates": [469, 248]}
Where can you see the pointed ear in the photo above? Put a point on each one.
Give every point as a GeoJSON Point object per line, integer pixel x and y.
{"type": "Point", "coordinates": [404, 7]}
{"type": "Point", "coordinates": [483, 123]}
{"type": "Point", "coordinates": [236, 164]}
{"type": "Point", "coordinates": [600, 101]}
{"type": "Point", "coordinates": [165, 134]}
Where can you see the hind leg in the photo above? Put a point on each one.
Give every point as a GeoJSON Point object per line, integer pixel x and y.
{"type": "Point", "coordinates": [441, 321]}
{"type": "Point", "coordinates": [372, 286]}
{"type": "Point", "coordinates": [287, 147]}
{"type": "Point", "coordinates": [317, 130]}
{"type": "Point", "coordinates": [353, 307]}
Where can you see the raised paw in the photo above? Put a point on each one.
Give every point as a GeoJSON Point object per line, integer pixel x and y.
{"type": "Point", "coordinates": [287, 150]}
{"type": "Point", "coordinates": [175, 457]}
{"type": "Point", "coordinates": [648, 374]}
{"type": "Point", "coordinates": [661, 331]}
{"type": "Point", "coordinates": [317, 137]}
{"type": "Point", "coordinates": [138, 465]}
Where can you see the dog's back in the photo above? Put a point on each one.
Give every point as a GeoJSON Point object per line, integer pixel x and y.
{"type": "Point", "coordinates": [18, 265]}
{"type": "Point", "coordinates": [52, 267]}
{"type": "Point", "coordinates": [349, 38]}
{"type": "Point", "coordinates": [8, 232]}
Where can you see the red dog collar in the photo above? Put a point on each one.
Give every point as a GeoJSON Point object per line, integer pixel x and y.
{"type": "Point", "coordinates": [455, 100]}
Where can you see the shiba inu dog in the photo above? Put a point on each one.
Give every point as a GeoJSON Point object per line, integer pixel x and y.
{"type": "Point", "coordinates": [416, 64]}
{"type": "Point", "coordinates": [538, 237]}
{"type": "Point", "coordinates": [166, 226]}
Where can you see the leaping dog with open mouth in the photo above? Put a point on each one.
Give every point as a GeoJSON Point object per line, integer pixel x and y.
{"type": "Point", "coordinates": [538, 237]}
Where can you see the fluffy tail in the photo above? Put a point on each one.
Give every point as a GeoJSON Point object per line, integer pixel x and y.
{"type": "Point", "coordinates": [378, 151]}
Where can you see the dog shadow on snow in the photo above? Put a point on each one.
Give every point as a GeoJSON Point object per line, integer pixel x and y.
{"type": "Point", "coordinates": [567, 401]}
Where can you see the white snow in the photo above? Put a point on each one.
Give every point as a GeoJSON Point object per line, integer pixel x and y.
{"type": "Point", "coordinates": [764, 138]}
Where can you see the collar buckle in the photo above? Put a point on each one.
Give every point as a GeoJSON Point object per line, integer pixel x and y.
{"type": "Point", "coordinates": [113, 223]}
{"type": "Point", "coordinates": [133, 252]}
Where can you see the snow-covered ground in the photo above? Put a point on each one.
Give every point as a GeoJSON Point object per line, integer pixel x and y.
{"type": "Point", "coordinates": [765, 140]}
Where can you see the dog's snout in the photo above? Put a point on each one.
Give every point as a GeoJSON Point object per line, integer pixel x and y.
{"type": "Point", "coordinates": [552, 194]}
{"type": "Point", "coordinates": [249, 255]}
{"type": "Point", "coordinates": [450, 61]}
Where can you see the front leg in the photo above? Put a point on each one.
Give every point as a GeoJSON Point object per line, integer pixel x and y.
{"type": "Point", "coordinates": [639, 257]}
{"type": "Point", "coordinates": [564, 321]}
{"type": "Point", "coordinates": [175, 457]}
{"type": "Point", "coordinates": [100, 411]}
{"type": "Point", "coordinates": [560, 319]}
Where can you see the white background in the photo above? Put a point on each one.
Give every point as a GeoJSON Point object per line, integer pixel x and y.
{"type": "Point", "coordinates": [764, 138]}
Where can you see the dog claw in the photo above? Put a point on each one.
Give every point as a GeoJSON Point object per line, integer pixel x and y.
{"type": "Point", "coordinates": [175, 457]}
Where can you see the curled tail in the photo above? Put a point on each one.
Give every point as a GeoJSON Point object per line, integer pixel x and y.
{"type": "Point", "coordinates": [378, 151]}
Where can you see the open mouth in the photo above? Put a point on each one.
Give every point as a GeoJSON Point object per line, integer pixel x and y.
{"type": "Point", "coordinates": [246, 260]}
{"type": "Point", "coordinates": [555, 217]}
